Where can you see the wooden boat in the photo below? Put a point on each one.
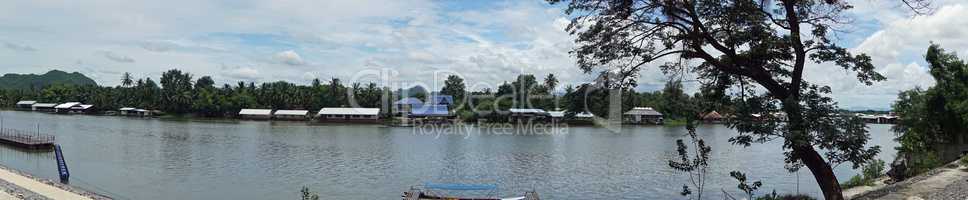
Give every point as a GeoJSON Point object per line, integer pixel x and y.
{"type": "Point", "coordinates": [426, 192]}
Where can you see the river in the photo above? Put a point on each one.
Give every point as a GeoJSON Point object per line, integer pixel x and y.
{"type": "Point", "coordinates": [133, 158]}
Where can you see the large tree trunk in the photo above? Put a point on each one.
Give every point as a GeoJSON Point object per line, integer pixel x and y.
{"type": "Point", "coordinates": [821, 172]}
{"type": "Point", "coordinates": [803, 150]}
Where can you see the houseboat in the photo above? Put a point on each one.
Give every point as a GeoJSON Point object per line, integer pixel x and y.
{"type": "Point", "coordinates": [296, 115]}
{"type": "Point", "coordinates": [642, 115]}
{"type": "Point", "coordinates": [25, 105]}
{"type": "Point", "coordinates": [255, 114]}
{"type": "Point", "coordinates": [43, 107]}
{"type": "Point", "coordinates": [134, 112]}
{"type": "Point", "coordinates": [356, 115]}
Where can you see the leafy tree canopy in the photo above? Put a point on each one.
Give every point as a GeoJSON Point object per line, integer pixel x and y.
{"type": "Point", "coordinates": [730, 42]}
{"type": "Point", "coordinates": [937, 115]}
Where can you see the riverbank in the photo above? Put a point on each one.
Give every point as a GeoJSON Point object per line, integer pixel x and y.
{"type": "Point", "coordinates": [949, 182]}
{"type": "Point", "coordinates": [18, 185]}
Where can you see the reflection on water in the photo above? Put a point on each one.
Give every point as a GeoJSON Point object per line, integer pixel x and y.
{"type": "Point", "coordinates": [131, 158]}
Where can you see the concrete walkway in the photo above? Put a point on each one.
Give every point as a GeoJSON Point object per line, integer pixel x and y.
{"type": "Point", "coordinates": [38, 187]}
{"type": "Point", "coordinates": [948, 182]}
{"type": "Point", "coordinates": [5, 195]}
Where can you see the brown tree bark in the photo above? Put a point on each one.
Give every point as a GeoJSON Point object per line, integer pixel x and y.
{"type": "Point", "coordinates": [821, 172]}
{"type": "Point", "coordinates": [803, 150]}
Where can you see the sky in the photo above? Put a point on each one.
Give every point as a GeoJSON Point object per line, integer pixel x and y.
{"type": "Point", "coordinates": [412, 41]}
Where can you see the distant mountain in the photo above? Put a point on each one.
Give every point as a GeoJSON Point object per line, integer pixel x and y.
{"type": "Point", "coordinates": [33, 81]}
{"type": "Point", "coordinates": [415, 90]}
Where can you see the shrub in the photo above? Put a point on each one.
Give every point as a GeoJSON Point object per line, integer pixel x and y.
{"type": "Point", "coordinates": [869, 174]}
{"type": "Point", "coordinates": [854, 181]}
{"type": "Point", "coordinates": [963, 160]}
{"type": "Point", "coordinates": [873, 169]}
{"type": "Point", "coordinates": [774, 196]}
{"type": "Point", "coordinates": [922, 162]}
{"type": "Point", "coordinates": [308, 195]}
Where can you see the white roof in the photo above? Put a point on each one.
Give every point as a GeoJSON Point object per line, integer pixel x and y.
{"type": "Point", "coordinates": [48, 105]}
{"type": "Point", "coordinates": [127, 109]}
{"type": "Point", "coordinates": [255, 112]}
{"type": "Point", "coordinates": [523, 110]}
{"type": "Point", "coordinates": [82, 107]}
{"type": "Point", "coordinates": [349, 111]}
{"type": "Point", "coordinates": [643, 111]}
{"type": "Point", "coordinates": [556, 113]}
{"type": "Point", "coordinates": [26, 102]}
{"type": "Point", "coordinates": [584, 115]}
{"type": "Point", "coordinates": [291, 112]}
{"type": "Point", "coordinates": [67, 105]}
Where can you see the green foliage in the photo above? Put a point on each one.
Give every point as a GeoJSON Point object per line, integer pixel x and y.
{"type": "Point", "coordinates": [695, 165]}
{"type": "Point", "coordinates": [179, 94]}
{"type": "Point", "coordinates": [854, 181]}
{"type": "Point", "coordinates": [922, 162]}
{"type": "Point", "coordinates": [308, 195]}
{"type": "Point", "coordinates": [744, 185]}
{"type": "Point", "coordinates": [126, 79]}
{"type": "Point", "coordinates": [587, 97]}
{"type": "Point", "coordinates": [868, 176]}
{"type": "Point", "coordinates": [551, 82]}
{"type": "Point", "coordinates": [874, 169]}
{"type": "Point", "coordinates": [675, 103]}
{"type": "Point", "coordinates": [675, 122]}
{"type": "Point", "coordinates": [176, 93]}
{"type": "Point", "coordinates": [963, 160]}
{"type": "Point", "coordinates": [930, 119]}
{"type": "Point", "coordinates": [38, 82]}
{"type": "Point", "coordinates": [774, 196]}
{"type": "Point", "coordinates": [454, 86]}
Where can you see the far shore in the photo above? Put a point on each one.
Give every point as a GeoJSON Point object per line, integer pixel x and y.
{"type": "Point", "coordinates": [308, 121]}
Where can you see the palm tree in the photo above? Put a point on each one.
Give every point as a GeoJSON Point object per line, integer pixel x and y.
{"type": "Point", "coordinates": [551, 82]}
{"type": "Point", "coordinates": [126, 79]}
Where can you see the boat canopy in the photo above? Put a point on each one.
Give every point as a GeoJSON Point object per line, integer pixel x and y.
{"type": "Point", "coordinates": [453, 186]}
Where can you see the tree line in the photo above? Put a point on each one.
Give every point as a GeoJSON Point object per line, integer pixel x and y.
{"type": "Point", "coordinates": [526, 91]}
{"type": "Point", "coordinates": [178, 92]}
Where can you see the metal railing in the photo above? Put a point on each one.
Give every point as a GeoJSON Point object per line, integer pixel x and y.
{"type": "Point", "coordinates": [26, 136]}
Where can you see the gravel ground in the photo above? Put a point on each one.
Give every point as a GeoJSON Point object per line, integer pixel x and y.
{"type": "Point", "coordinates": [957, 190]}
{"type": "Point", "coordinates": [19, 192]}
{"type": "Point", "coordinates": [945, 183]}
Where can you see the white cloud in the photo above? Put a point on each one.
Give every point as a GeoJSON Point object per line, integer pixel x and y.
{"type": "Point", "coordinates": [244, 73]}
{"type": "Point", "coordinates": [116, 57]}
{"type": "Point", "coordinates": [289, 57]}
{"type": "Point", "coordinates": [488, 44]}
{"type": "Point", "coordinates": [897, 51]}
{"type": "Point", "coordinates": [18, 47]}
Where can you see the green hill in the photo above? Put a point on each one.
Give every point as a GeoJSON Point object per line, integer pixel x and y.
{"type": "Point", "coordinates": [33, 81]}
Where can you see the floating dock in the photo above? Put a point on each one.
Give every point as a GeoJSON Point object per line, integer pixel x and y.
{"type": "Point", "coordinates": [26, 140]}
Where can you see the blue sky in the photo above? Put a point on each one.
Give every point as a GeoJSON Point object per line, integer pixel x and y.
{"type": "Point", "coordinates": [487, 42]}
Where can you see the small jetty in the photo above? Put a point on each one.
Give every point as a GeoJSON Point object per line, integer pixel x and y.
{"type": "Point", "coordinates": [26, 140]}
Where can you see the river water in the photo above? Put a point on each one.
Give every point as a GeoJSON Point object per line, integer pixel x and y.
{"type": "Point", "coordinates": [132, 158]}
